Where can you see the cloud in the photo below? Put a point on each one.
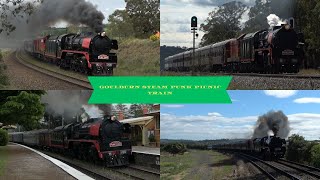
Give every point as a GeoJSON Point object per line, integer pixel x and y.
{"type": "Point", "coordinates": [214, 114]}
{"type": "Point", "coordinates": [172, 106]}
{"type": "Point", "coordinates": [307, 100]}
{"type": "Point", "coordinates": [281, 93]}
{"type": "Point", "coordinates": [199, 127]}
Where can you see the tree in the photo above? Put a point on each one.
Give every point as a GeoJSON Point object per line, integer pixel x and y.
{"type": "Point", "coordinates": [24, 108]}
{"type": "Point", "coordinates": [297, 148]}
{"type": "Point", "coordinates": [15, 8]}
{"type": "Point", "coordinates": [136, 110]}
{"type": "Point", "coordinates": [223, 23]}
{"type": "Point", "coordinates": [120, 25]}
{"type": "Point", "coordinates": [145, 16]}
{"type": "Point", "coordinates": [315, 155]}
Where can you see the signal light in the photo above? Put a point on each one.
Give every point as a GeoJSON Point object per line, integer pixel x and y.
{"type": "Point", "coordinates": [194, 21]}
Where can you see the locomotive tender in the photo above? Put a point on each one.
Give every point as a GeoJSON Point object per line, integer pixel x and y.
{"type": "Point", "coordinates": [95, 140]}
{"type": "Point", "coordinates": [269, 147]}
{"type": "Point", "coordinates": [88, 53]}
{"type": "Point", "coordinates": [275, 50]}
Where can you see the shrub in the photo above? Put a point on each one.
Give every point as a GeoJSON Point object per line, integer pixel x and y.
{"type": "Point", "coordinates": [175, 148]}
{"type": "Point", "coordinates": [4, 137]}
{"type": "Point", "coordinates": [315, 155]}
{"type": "Point", "coordinates": [154, 37]}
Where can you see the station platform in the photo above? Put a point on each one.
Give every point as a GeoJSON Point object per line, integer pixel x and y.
{"type": "Point", "coordinates": [25, 163]}
{"type": "Point", "coordinates": [146, 156]}
{"type": "Point", "coordinates": [146, 150]}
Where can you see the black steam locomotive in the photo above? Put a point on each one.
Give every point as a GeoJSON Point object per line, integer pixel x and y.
{"type": "Point", "coordinates": [275, 50]}
{"type": "Point", "coordinates": [268, 148]}
{"type": "Point", "coordinates": [88, 53]}
{"type": "Point", "coordinates": [97, 140]}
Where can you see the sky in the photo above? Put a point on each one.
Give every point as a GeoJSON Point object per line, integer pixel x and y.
{"type": "Point", "coordinates": [176, 18]}
{"type": "Point", "coordinates": [237, 120]}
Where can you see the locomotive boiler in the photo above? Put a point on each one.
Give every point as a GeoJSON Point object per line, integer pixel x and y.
{"type": "Point", "coordinates": [88, 53]}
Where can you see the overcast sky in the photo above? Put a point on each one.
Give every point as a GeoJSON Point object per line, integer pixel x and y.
{"type": "Point", "coordinates": [176, 18]}
{"type": "Point", "coordinates": [237, 120]}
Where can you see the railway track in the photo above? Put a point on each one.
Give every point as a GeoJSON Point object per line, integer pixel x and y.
{"type": "Point", "coordinates": [278, 169]}
{"type": "Point", "coordinates": [99, 172]}
{"type": "Point", "coordinates": [292, 76]}
{"type": "Point", "coordinates": [84, 84]}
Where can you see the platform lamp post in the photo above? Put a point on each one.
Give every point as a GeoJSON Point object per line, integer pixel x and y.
{"type": "Point", "coordinates": [194, 26]}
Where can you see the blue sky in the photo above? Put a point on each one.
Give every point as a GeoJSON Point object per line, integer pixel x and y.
{"type": "Point", "coordinates": [237, 120]}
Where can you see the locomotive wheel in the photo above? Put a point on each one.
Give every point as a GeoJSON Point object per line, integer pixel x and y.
{"type": "Point", "coordinates": [93, 155]}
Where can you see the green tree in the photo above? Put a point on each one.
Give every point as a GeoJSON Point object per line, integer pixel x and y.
{"type": "Point", "coordinates": [315, 155]}
{"type": "Point", "coordinates": [15, 8]}
{"type": "Point", "coordinates": [223, 23]}
{"type": "Point", "coordinates": [120, 25]}
{"type": "Point", "coordinates": [297, 148]}
{"type": "Point", "coordinates": [136, 110]}
{"type": "Point", "coordinates": [145, 16]}
{"type": "Point", "coordinates": [24, 108]}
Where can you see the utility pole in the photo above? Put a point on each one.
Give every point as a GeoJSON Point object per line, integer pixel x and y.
{"type": "Point", "coordinates": [194, 26]}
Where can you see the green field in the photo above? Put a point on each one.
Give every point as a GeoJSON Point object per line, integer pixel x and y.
{"type": "Point", "coordinates": [196, 164]}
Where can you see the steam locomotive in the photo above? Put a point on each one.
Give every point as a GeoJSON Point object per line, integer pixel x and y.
{"type": "Point", "coordinates": [276, 50]}
{"type": "Point", "coordinates": [268, 148]}
{"type": "Point", "coordinates": [96, 140]}
{"type": "Point", "coordinates": [88, 53]}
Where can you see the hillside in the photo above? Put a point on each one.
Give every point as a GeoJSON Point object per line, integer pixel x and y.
{"type": "Point", "coordinates": [167, 51]}
{"type": "Point", "coordinates": [138, 57]}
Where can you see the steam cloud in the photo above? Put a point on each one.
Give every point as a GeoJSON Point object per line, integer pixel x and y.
{"type": "Point", "coordinates": [69, 103]}
{"type": "Point", "coordinates": [274, 20]}
{"type": "Point", "coordinates": [276, 121]}
{"type": "Point", "coordinates": [48, 13]}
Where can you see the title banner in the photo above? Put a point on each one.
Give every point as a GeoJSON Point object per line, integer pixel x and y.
{"type": "Point", "coordinates": [157, 89]}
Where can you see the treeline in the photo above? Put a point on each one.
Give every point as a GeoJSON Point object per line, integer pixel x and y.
{"type": "Point", "coordinates": [302, 151]}
{"type": "Point", "coordinates": [140, 19]}
{"type": "Point", "coordinates": [226, 22]}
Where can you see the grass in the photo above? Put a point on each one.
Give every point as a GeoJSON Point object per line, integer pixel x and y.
{"type": "Point", "coordinates": [309, 72]}
{"type": "Point", "coordinates": [3, 159]}
{"type": "Point", "coordinates": [173, 165]}
{"type": "Point", "coordinates": [183, 166]}
{"type": "Point", "coordinates": [4, 80]}
{"type": "Point", "coordinates": [138, 57]}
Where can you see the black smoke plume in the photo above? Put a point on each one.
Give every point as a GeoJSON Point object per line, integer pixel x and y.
{"type": "Point", "coordinates": [275, 121]}
{"type": "Point", "coordinates": [49, 13]}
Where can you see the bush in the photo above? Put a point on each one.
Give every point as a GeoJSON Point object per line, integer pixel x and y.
{"type": "Point", "coordinates": [315, 155]}
{"type": "Point", "coordinates": [175, 148]}
{"type": "Point", "coordinates": [154, 37]}
{"type": "Point", "coordinates": [4, 137]}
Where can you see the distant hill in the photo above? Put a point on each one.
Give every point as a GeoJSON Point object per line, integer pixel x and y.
{"type": "Point", "coordinates": [166, 51]}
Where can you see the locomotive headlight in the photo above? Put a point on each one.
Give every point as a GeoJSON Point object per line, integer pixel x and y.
{"type": "Point", "coordinates": [103, 34]}
{"type": "Point", "coordinates": [287, 26]}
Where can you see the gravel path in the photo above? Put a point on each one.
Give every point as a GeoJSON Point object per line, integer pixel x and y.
{"type": "Point", "coordinates": [21, 77]}
{"type": "Point", "coordinates": [266, 83]}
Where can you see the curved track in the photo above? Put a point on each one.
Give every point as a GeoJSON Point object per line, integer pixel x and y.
{"type": "Point", "coordinates": [72, 80]}
{"type": "Point", "coordinates": [277, 169]}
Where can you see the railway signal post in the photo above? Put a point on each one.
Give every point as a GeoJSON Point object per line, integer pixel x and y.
{"type": "Point", "coordinates": [194, 25]}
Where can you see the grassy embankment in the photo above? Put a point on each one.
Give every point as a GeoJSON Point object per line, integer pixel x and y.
{"type": "Point", "coordinates": [4, 81]}
{"type": "Point", "coordinates": [138, 57]}
{"type": "Point", "coordinates": [195, 164]}
{"type": "Point", "coordinates": [3, 159]}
